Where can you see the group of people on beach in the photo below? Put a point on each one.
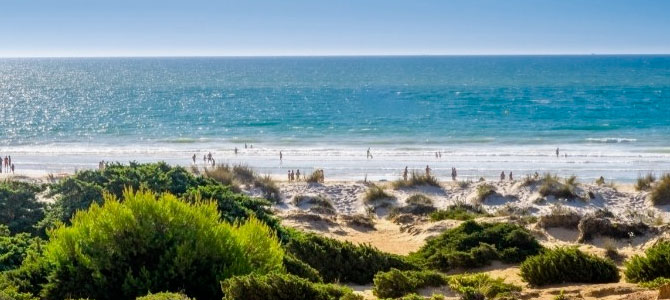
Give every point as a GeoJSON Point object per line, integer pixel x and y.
{"type": "Point", "coordinates": [207, 159]}
{"type": "Point", "coordinates": [294, 176]}
{"type": "Point", "coordinates": [6, 165]}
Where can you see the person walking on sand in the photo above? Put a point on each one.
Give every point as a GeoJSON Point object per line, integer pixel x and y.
{"type": "Point", "coordinates": [502, 176]}
{"type": "Point", "coordinates": [427, 171]}
{"type": "Point", "coordinates": [404, 174]}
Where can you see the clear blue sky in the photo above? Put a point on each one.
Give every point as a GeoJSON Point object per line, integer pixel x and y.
{"type": "Point", "coordinates": [347, 27]}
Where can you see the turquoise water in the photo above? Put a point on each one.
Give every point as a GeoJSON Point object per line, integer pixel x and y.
{"type": "Point", "coordinates": [611, 114]}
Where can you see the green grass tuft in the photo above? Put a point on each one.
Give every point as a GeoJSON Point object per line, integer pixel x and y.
{"type": "Point", "coordinates": [569, 264]}
{"type": "Point", "coordinates": [459, 211]}
{"type": "Point", "coordinates": [660, 194]}
{"type": "Point", "coordinates": [552, 186]}
{"type": "Point", "coordinates": [415, 180]}
{"type": "Point", "coordinates": [484, 191]}
{"type": "Point", "coordinates": [375, 193]}
{"type": "Point", "coordinates": [644, 183]}
{"type": "Point", "coordinates": [419, 199]}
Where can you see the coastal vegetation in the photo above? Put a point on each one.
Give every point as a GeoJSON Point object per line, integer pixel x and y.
{"type": "Point", "coordinates": [660, 194]}
{"type": "Point", "coordinates": [654, 264]}
{"type": "Point", "coordinates": [318, 204]}
{"type": "Point", "coordinates": [552, 186]}
{"type": "Point", "coordinates": [277, 286]}
{"type": "Point", "coordinates": [415, 180]}
{"type": "Point", "coordinates": [567, 264]}
{"type": "Point", "coordinates": [375, 193]}
{"type": "Point", "coordinates": [644, 183]}
{"type": "Point", "coordinates": [20, 210]}
{"type": "Point", "coordinates": [473, 244]}
{"type": "Point", "coordinates": [459, 211]}
{"type": "Point", "coordinates": [484, 191]}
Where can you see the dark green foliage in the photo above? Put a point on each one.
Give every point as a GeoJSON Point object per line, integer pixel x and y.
{"type": "Point", "coordinates": [125, 249]}
{"type": "Point", "coordinates": [660, 195]}
{"type": "Point", "coordinates": [13, 248]}
{"type": "Point", "coordinates": [299, 268]}
{"type": "Point", "coordinates": [276, 286]}
{"type": "Point", "coordinates": [342, 261]}
{"type": "Point", "coordinates": [473, 245]}
{"type": "Point", "coordinates": [654, 264]}
{"type": "Point", "coordinates": [19, 208]}
{"type": "Point", "coordinates": [416, 179]}
{"type": "Point", "coordinates": [644, 183]}
{"type": "Point", "coordinates": [396, 283]}
{"type": "Point", "coordinates": [164, 296]}
{"type": "Point", "coordinates": [478, 285]}
{"type": "Point", "coordinates": [459, 211]}
{"type": "Point", "coordinates": [568, 264]}
{"type": "Point", "coordinates": [9, 291]}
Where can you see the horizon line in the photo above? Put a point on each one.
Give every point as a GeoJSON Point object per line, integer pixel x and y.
{"type": "Point", "coordinates": [340, 55]}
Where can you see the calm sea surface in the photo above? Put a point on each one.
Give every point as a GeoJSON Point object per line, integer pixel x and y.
{"type": "Point", "coordinates": [485, 114]}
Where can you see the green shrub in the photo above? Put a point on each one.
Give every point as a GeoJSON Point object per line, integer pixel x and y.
{"type": "Point", "coordinates": [656, 283]}
{"type": "Point", "coordinates": [654, 264]}
{"type": "Point", "coordinates": [124, 249]}
{"type": "Point", "coordinates": [276, 286]}
{"type": "Point", "coordinates": [459, 211]}
{"type": "Point", "coordinates": [19, 208]}
{"type": "Point", "coordinates": [396, 283]}
{"type": "Point", "coordinates": [660, 195]}
{"type": "Point", "coordinates": [415, 180]}
{"type": "Point", "coordinates": [9, 291]}
{"type": "Point", "coordinates": [484, 191]}
{"type": "Point", "coordinates": [644, 183]}
{"type": "Point", "coordinates": [481, 283]}
{"type": "Point", "coordinates": [552, 186]}
{"type": "Point", "coordinates": [375, 193]}
{"type": "Point", "coordinates": [561, 265]}
{"type": "Point", "coordinates": [472, 245]}
{"type": "Point", "coordinates": [301, 269]}
{"type": "Point", "coordinates": [343, 261]}
{"type": "Point", "coordinates": [13, 248]}
{"type": "Point", "coordinates": [164, 296]}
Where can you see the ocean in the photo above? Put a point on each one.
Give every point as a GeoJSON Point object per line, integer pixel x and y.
{"type": "Point", "coordinates": [483, 114]}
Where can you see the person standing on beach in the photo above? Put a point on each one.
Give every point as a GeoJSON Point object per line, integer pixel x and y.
{"type": "Point", "coordinates": [557, 151]}
{"type": "Point", "coordinates": [368, 154]}
{"type": "Point", "coordinates": [12, 168]}
{"type": "Point", "coordinates": [297, 175]}
{"type": "Point", "coordinates": [502, 176]}
{"type": "Point", "coordinates": [453, 174]}
{"type": "Point", "coordinates": [510, 176]}
{"type": "Point", "coordinates": [194, 158]}
{"type": "Point", "coordinates": [204, 159]}
{"type": "Point", "coordinates": [281, 156]}
{"type": "Point", "coordinates": [427, 171]}
{"type": "Point", "coordinates": [288, 174]}
{"type": "Point", "coordinates": [235, 150]}
{"type": "Point", "coordinates": [404, 174]}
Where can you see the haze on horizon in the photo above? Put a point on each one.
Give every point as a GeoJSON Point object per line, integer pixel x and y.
{"type": "Point", "coordinates": [46, 28]}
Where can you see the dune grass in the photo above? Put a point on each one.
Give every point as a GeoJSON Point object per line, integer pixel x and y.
{"type": "Point", "coordinates": [552, 186]}
{"type": "Point", "coordinates": [419, 199]}
{"type": "Point", "coordinates": [235, 176]}
{"type": "Point", "coordinates": [644, 183]}
{"type": "Point", "coordinates": [483, 192]}
{"type": "Point", "coordinates": [319, 204]}
{"type": "Point", "coordinates": [375, 193]}
{"type": "Point", "coordinates": [660, 194]}
{"type": "Point", "coordinates": [415, 180]}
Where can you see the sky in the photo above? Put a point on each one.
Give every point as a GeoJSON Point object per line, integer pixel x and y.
{"type": "Point", "coordinates": [50, 28]}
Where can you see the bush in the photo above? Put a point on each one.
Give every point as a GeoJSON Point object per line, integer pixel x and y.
{"type": "Point", "coordinates": [124, 249]}
{"type": "Point", "coordinates": [301, 269]}
{"type": "Point", "coordinates": [472, 245]}
{"type": "Point", "coordinates": [13, 248]}
{"type": "Point", "coordinates": [416, 179]}
{"type": "Point", "coordinates": [552, 186]}
{"type": "Point", "coordinates": [19, 208]}
{"type": "Point", "coordinates": [561, 265]}
{"type": "Point", "coordinates": [396, 283]}
{"type": "Point", "coordinates": [164, 296]}
{"type": "Point", "coordinates": [654, 264]}
{"type": "Point", "coordinates": [343, 261]}
{"type": "Point", "coordinates": [481, 283]}
{"type": "Point", "coordinates": [277, 286]}
{"type": "Point", "coordinates": [375, 193]}
{"type": "Point", "coordinates": [484, 191]}
{"type": "Point", "coordinates": [660, 195]}
{"type": "Point", "coordinates": [644, 183]}
{"type": "Point", "coordinates": [459, 211]}
{"type": "Point", "coordinates": [319, 203]}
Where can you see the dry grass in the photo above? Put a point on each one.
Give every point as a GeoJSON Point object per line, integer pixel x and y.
{"type": "Point", "coordinates": [375, 193]}
{"type": "Point", "coordinates": [660, 195]}
{"type": "Point", "coordinates": [416, 179]}
{"type": "Point", "coordinates": [483, 192]}
{"type": "Point", "coordinates": [238, 175]}
{"type": "Point", "coordinates": [419, 199]}
{"type": "Point", "coordinates": [644, 183]}
{"type": "Point", "coordinates": [552, 186]}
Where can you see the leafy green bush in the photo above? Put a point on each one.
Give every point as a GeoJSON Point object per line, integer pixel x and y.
{"type": "Point", "coordinates": [660, 195]}
{"type": "Point", "coordinates": [19, 208]}
{"type": "Point", "coordinates": [562, 265]}
{"type": "Point", "coordinates": [342, 261]}
{"type": "Point", "coordinates": [416, 179]}
{"type": "Point", "coordinates": [13, 248]}
{"type": "Point", "coordinates": [473, 245]}
{"type": "Point", "coordinates": [654, 264]}
{"type": "Point", "coordinates": [276, 286]}
{"type": "Point", "coordinates": [459, 211]}
{"type": "Point", "coordinates": [301, 269]}
{"type": "Point", "coordinates": [396, 283]}
{"type": "Point", "coordinates": [9, 291]}
{"type": "Point", "coordinates": [123, 249]}
{"type": "Point", "coordinates": [644, 183]}
{"type": "Point", "coordinates": [481, 283]}
{"type": "Point", "coordinates": [656, 283]}
{"type": "Point", "coordinates": [164, 296]}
